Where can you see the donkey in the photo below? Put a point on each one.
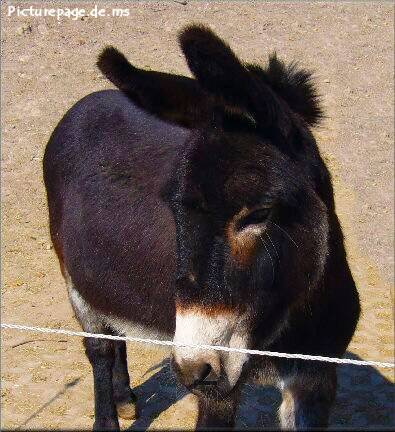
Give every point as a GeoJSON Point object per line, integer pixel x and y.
{"type": "Point", "coordinates": [200, 208]}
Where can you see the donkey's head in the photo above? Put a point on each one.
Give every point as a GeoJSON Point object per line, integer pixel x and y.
{"type": "Point", "coordinates": [251, 229]}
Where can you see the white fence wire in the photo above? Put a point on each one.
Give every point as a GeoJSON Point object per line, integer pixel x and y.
{"type": "Point", "coordinates": [201, 347]}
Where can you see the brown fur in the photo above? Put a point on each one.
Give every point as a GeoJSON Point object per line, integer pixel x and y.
{"type": "Point", "coordinates": [211, 311]}
{"type": "Point", "coordinates": [242, 245]}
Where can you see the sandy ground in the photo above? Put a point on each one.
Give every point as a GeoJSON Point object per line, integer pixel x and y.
{"type": "Point", "coordinates": [48, 65]}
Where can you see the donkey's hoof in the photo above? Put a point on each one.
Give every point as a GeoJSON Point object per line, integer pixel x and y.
{"type": "Point", "coordinates": [127, 410]}
{"type": "Point", "coordinates": [106, 425]}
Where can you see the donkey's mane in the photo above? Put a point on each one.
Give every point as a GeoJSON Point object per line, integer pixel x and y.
{"type": "Point", "coordinates": [294, 84]}
{"type": "Point", "coordinates": [185, 100]}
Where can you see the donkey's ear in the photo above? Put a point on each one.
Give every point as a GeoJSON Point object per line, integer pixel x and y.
{"type": "Point", "coordinates": [214, 64]}
{"type": "Point", "coordinates": [222, 74]}
{"type": "Point", "coordinates": [172, 98]}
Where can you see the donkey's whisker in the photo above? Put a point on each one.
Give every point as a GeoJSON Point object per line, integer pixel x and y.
{"type": "Point", "coordinates": [285, 232]}
{"type": "Point", "coordinates": [274, 247]}
{"type": "Point", "coordinates": [271, 259]}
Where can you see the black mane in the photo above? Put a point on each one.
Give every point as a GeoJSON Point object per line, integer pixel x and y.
{"type": "Point", "coordinates": [294, 84]}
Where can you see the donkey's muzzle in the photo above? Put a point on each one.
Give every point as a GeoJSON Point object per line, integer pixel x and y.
{"type": "Point", "coordinates": [195, 374]}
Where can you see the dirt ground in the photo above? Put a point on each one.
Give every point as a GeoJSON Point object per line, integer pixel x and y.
{"type": "Point", "coordinates": [47, 65]}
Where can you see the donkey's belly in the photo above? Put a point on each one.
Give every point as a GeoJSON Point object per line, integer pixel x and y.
{"type": "Point", "coordinates": [136, 329]}
{"type": "Point", "coordinates": [94, 320]}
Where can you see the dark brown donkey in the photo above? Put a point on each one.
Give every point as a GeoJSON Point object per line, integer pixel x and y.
{"type": "Point", "coordinates": [201, 208]}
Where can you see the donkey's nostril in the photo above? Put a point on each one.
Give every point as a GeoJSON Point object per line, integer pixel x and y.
{"type": "Point", "coordinates": [195, 373]}
{"type": "Point", "coordinates": [202, 374]}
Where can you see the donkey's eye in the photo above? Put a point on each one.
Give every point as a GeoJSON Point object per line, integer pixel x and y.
{"type": "Point", "coordinates": [256, 217]}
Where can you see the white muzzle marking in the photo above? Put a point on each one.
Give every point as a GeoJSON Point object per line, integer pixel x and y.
{"type": "Point", "coordinates": [194, 326]}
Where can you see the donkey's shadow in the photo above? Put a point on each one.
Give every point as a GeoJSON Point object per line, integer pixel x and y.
{"type": "Point", "coordinates": [156, 395]}
{"type": "Point", "coordinates": [365, 399]}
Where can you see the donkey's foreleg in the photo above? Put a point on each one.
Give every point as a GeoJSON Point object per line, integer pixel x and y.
{"type": "Point", "coordinates": [124, 398]}
{"type": "Point", "coordinates": [307, 400]}
{"type": "Point", "coordinates": [101, 354]}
